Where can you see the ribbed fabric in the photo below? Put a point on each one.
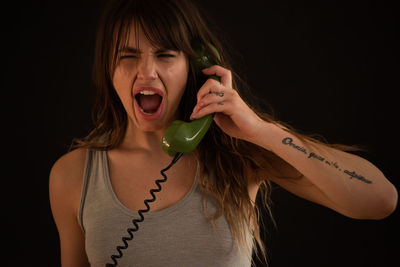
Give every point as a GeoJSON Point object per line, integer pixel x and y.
{"type": "Point", "coordinates": [180, 235]}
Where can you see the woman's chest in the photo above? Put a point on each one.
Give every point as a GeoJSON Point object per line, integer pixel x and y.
{"type": "Point", "coordinates": [132, 184]}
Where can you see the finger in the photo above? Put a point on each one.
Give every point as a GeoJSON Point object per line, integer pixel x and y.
{"type": "Point", "coordinates": [216, 107]}
{"type": "Point", "coordinates": [223, 73]}
{"type": "Point", "coordinates": [215, 96]}
{"type": "Point", "coordinates": [210, 85]}
{"type": "Point", "coordinates": [212, 98]}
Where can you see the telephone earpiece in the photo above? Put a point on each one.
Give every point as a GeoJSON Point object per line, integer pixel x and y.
{"type": "Point", "coordinates": [183, 137]}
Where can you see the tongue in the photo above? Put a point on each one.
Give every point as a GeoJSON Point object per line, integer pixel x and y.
{"type": "Point", "coordinates": [149, 103]}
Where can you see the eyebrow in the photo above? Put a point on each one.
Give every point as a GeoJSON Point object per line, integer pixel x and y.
{"type": "Point", "coordinates": [129, 49]}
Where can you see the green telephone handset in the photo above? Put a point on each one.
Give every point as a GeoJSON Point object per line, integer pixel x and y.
{"type": "Point", "coordinates": [183, 137]}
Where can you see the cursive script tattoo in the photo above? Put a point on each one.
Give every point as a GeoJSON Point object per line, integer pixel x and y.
{"type": "Point", "coordinates": [353, 174]}
{"type": "Point", "coordinates": [312, 155]}
{"type": "Point", "coordinates": [289, 141]}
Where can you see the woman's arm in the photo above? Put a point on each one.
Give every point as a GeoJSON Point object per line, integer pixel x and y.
{"type": "Point", "coordinates": [65, 186]}
{"type": "Point", "coordinates": [342, 181]}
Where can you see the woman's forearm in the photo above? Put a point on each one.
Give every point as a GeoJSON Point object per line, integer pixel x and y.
{"type": "Point", "coordinates": [351, 182]}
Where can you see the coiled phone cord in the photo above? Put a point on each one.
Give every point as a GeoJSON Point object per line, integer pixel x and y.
{"type": "Point", "coordinates": [135, 222]}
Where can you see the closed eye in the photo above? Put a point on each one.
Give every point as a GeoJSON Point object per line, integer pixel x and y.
{"type": "Point", "coordinates": [166, 55]}
{"type": "Point", "coordinates": [160, 55]}
{"type": "Point", "coordinates": [127, 56]}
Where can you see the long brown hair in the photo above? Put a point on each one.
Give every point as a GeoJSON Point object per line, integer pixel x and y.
{"type": "Point", "coordinates": [226, 161]}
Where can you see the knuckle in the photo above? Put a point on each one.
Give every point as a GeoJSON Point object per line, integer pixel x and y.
{"type": "Point", "coordinates": [213, 82]}
{"type": "Point", "coordinates": [216, 83]}
{"type": "Point", "coordinates": [203, 90]}
{"type": "Point", "coordinates": [206, 99]}
{"type": "Point", "coordinates": [227, 71]}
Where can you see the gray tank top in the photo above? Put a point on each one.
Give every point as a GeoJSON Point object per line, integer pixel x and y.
{"type": "Point", "coordinates": [180, 235]}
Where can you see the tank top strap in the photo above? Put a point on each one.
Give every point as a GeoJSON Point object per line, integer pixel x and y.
{"type": "Point", "coordinates": [93, 178]}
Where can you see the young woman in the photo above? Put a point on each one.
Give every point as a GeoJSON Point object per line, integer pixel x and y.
{"type": "Point", "coordinates": [205, 215]}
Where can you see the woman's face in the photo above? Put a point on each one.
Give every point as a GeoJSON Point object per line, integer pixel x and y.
{"type": "Point", "coordinates": [150, 82]}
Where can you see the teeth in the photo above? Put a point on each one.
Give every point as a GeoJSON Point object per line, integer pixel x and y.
{"type": "Point", "coordinates": [147, 113]}
{"type": "Point", "coordinates": [147, 92]}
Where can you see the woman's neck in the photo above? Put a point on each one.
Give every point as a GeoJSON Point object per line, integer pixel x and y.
{"type": "Point", "coordinates": [136, 139]}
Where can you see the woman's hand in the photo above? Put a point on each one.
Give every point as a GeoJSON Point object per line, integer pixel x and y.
{"type": "Point", "coordinates": [232, 114]}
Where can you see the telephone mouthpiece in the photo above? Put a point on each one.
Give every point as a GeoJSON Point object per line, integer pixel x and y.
{"type": "Point", "coordinates": [183, 136]}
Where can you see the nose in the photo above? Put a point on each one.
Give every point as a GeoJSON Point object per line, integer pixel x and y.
{"type": "Point", "coordinates": [146, 68]}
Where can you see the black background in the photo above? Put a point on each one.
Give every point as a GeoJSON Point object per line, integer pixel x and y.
{"type": "Point", "coordinates": [323, 68]}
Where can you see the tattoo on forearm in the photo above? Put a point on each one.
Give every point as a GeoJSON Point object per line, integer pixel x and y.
{"type": "Point", "coordinates": [311, 155]}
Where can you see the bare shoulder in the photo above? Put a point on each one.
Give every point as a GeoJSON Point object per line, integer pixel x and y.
{"type": "Point", "coordinates": [66, 177]}
{"type": "Point", "coordinates": [71, 162]}
{"type": "Point", "coordinates": [65, 186]}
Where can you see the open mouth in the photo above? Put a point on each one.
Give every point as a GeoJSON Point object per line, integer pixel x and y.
{"type": "Point", "coordinates": [148, 101]}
